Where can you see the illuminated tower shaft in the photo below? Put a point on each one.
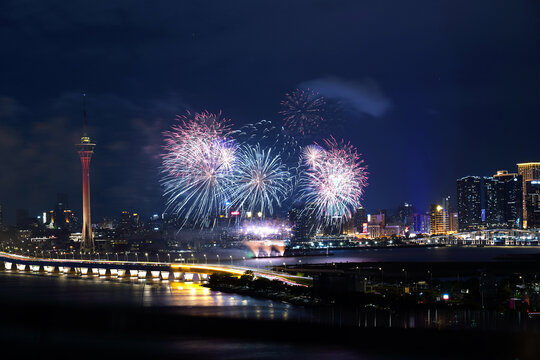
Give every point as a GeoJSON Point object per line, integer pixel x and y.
{"type": "Point", "coordinates": [85, 150]}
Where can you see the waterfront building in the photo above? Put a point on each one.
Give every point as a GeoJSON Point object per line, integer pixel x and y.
{"type": "Point", "coordinates": [421, 223]}
{"type": "Point", "coordinates": [405, 214]}
{"type": "Point", "coordinates": [469, 199]}
{"type": "Point", "coordinates": [528, 171]}
{"type": "Point", "coordinates": [439, 219]}
{"type": "Point", "coordinates": [494, 202]}
{"type": "Point", "coordinates": [360, 220]}
{"type": "Point", "coordinates": [532, 203]}
{"type": "Point", "coordinates": [454, 222]}
{"type": "Point", "coordinates": [513, 192]}
{"type": "Point", "coordinates": [489, 202]}
{"type": "Point", "coordinates": [303, 223]}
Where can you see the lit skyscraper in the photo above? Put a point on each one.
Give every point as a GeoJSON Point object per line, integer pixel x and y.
{"type": "Point", "coordinates": [532, 203]}
{"type": "Point", "coordinates": [440, 222]}
{"type": "Point", "coordinates": [85, 150]}
{"type": "Point", "coordinates": [469, 197]}
{"type": "Point", "coordinates": [528, 171]}
{"type": "Point", "coordinates": [513, 194]}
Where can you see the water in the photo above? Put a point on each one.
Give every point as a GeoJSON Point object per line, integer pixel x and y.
{"type": "Point", "coordinates": [196, 300]}
{"type": "Point", "coordinates": [439, 254]}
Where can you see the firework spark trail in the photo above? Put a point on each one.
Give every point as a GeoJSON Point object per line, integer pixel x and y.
{"type": "Point", "coordinates": [198, 164]}
{"type": "Point", "coordinates": [261, 180]}
{"type": "Point", "coordinates": [333, 181]}
{"type": "Point", "coordinates": [303, 110]}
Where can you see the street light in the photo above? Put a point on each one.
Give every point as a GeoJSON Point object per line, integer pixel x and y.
{"type": "Point", "coordinates": [157, 257]}
{"type": "Point", "coordinates": [231, 259]}
{"type": "Point", "coordinates": [146, 254]}
{"type": "Point", "coordinates": [217, 259]}
{"type": "Point", "coordinates": [382, 275]}
{"type": "Point", "coordinates": [205, 259]}
{"type": "Point", "coordinates": [137, 257]}
{"type": "Point", "coordinates": [169, 255]}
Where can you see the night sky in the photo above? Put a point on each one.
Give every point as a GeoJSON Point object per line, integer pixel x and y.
{"type": "Point", "coordinates": [432, 90]}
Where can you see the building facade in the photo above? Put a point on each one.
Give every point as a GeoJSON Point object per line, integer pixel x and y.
{"type": "Point", "coordinates": [532, 204]}
{"type": "Point", "coordinates": [440, 222]}
{"type": "Point", "coordinates": [469, 199]}
{"type": "Point", "coordinates": [529, 171]}
{"type": "Point", "coordinates": [513, 211]}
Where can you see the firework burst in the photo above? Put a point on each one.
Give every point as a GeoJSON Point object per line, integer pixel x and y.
{"type": "Point", "coordinates": [333, 180]}
{"type": "Point", "coordinates": [303, 110]}
{"type": "Point", "coordinates": [261, 180]}
{"type": "Point", "coordinates": [198, 164]}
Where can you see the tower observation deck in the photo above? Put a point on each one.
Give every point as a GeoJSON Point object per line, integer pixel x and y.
{"type": "Point", "coordinates": [85, 150]}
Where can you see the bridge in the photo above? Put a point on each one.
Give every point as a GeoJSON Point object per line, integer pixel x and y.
{"type": "Point", "coordinates": [137, 269]}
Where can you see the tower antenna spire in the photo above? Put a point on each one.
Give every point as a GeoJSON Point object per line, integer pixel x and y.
{"type": "Point", "coordinates": [84, 114]}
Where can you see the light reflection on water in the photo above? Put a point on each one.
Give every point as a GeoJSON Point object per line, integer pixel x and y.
{"type": "Point", "coordinates": [196, 300]}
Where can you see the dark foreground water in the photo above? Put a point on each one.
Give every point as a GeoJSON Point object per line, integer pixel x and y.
{"type": "Point", "coordinates": [191, 301]}
{"type": "Point", "coordinates": [195, 300]}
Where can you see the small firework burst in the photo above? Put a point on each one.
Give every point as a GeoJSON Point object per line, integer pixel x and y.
{"type": "Point", "coordinates": [303, 110]}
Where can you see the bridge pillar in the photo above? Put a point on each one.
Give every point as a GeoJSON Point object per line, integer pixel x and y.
{"type": "Point", "coordinates": [196, 278]}
{"type": "Point", "coordinates": [103, 272]}
{"type": "Point", "coordinates": [176, 275]}
{"type": "Point", "coordinates": [165, 275]}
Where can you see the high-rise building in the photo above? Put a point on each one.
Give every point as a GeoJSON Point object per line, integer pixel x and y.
{"type": "Point", "coordinates": [532, 203]}
{"type": "Point", "coordinates": [528, 171]}
{"type": "Point", "coordinates": [513, 193]}
{"type": "Point", "coordinates": [86, 150]}
{"type": "Point", "coordinates": [494, 202]}
{"type": "Point", "coordinates": [439, 220]}
{"type": "Point", "coordinates": [360, 220]}
{"type": "Point", "coordinates": [469, 199]}
{"type": "Point", "coordinates": [405, 214]}
{"type": "Point", "coordinates": [422, 223]}
{"type": "Point", "coordinates": [303, 222]}
{"type": "Point", "coordinates": [454, 222]}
